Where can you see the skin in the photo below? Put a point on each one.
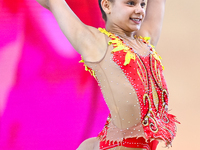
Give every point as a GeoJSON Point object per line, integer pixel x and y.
{"type": "Point", "coordinates": [92, 44]}
{"type": "Point", "coordinates": [128, 10]}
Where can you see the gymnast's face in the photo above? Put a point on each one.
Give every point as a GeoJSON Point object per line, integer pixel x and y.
{"type": "Point", "coordinates": [125, 14]}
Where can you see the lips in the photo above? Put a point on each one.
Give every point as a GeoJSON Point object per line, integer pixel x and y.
{"type": "Point", "coordinates": [136, 20]}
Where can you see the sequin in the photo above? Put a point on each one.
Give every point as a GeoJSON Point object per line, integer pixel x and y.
{"type": "Point", "coordinates": [140, 75]}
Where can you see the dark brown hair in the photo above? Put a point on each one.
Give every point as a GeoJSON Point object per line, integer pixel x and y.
{"type": "Point", "coordinates": [102, 12]}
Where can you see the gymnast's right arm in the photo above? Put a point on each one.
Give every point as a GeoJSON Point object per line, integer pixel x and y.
{"type": "Point", "coordinates": [86, 40]}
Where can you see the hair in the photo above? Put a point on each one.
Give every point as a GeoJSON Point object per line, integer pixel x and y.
{"type": "Point", "coordinates": [102, 11]}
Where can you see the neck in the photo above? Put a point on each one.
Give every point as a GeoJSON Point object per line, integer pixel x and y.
{"type": "Point", "coordinates": [119, 31]}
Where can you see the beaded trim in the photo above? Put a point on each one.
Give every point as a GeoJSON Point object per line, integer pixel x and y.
{"type": "Point", "coordinates": [87, 68]}
{"type": "Point", "coordinates": [157, 123]}
{"type": "Point", "coordinates": [120, 45]}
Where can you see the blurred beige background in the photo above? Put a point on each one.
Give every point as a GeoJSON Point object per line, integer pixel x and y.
{"type": "Point", "coordinates": [179, 47]}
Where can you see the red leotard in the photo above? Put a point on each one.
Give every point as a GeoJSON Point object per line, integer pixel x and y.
{"type": "Point", "coordinates": [136, 93]}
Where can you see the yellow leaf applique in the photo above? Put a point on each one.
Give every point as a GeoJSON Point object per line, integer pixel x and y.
{"type": "Point", "coordinates": [87, 68]}
{"type": "Point", "coordinates": [158, 57]}
{"type": "Point", "coordinates": [119, 48]}
{"type": "Point", "coordinates": [116, 42]}
{"type": "Point", "coordinates": [147, 38]}
{"type": "Point", "coordinates": [128, 57]}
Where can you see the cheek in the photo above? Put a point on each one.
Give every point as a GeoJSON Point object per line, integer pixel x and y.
{"type": "Point", "coordinates": [119, 15]}
{"type": "Point", "coordinates": [143, 14]}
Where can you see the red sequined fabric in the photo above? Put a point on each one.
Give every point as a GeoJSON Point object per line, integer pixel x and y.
{"type": "Point", "coordinates": [129, 142]}
{"type": "Point", "coordinates": [145, 74]}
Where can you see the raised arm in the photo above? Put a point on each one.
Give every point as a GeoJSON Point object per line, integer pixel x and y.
{"type": "Point", "coordinates": [152, 23]}
{"type": "Point", "coordinates": [85, 39]}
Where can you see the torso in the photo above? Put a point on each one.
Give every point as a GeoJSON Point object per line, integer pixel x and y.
{"type": "Point", "coordinates": [132, 91]}
{"type": "Point", "coordinates": [117, 91]}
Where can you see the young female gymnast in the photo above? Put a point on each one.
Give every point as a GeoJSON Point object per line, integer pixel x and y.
{"type": "Point", "coordinates": [123, 60]}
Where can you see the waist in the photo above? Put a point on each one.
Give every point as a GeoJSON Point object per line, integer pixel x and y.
{"type": "Point", "coordinates": [139, 143]}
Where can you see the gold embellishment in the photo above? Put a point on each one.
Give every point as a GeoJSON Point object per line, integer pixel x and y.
{"type": "Point", "coordinates": [150, 119]}
{"type": "Point", "coordinates": [154, 53]}
{"type": "Point", "coordinates": [153, 125]}
{"type": "Point", "coordinates": [164, 91]}
{"type": "Point", "coordinates": [164, 107]}
{"type": "Point", "coordinates": [143, 76]}
{"type": "Point", "coordinates": [157, 57]}
{"type": "Point", "coordinates": [156, 74]}
{"type": "Point", "coordinates": [153, 119]}
{"type": "Point", "coordinates": [155, 95]}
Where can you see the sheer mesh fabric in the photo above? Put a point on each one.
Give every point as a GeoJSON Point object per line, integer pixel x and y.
{"type": "Point", "coordinates": [120, 96]}
{"type": "Point", "coordinates": [132, 82]}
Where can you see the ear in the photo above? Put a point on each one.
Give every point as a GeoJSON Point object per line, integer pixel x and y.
{"type": "Point", "coordinates": [106, 6]}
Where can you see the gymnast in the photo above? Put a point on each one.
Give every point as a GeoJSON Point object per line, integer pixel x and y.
{"type": "Point", "coordinates": [123, 60]}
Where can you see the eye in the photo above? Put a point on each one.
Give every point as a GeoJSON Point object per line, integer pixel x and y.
{"type": "Point", "coordinates": [143, 4]}
{"type": "Point", "coordinates": [131, 3]}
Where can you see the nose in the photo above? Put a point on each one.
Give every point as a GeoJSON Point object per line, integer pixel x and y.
{"type": "Point", "coordinates": [139, 10]}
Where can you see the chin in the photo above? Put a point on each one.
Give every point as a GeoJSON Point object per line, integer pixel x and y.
{"type": "Point", "coordinates": [135, 29]}
{"type": "Point", "coordinates": [138, 27]}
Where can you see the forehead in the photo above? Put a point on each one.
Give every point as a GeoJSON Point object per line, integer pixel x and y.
{"type": "Point", "coordinates": [132, 0]}
{"type": "Point", "coordinates": [124, 1]}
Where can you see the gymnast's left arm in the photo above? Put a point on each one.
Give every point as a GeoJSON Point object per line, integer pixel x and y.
{"type": "Point", "coordinates": [152, 24]}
